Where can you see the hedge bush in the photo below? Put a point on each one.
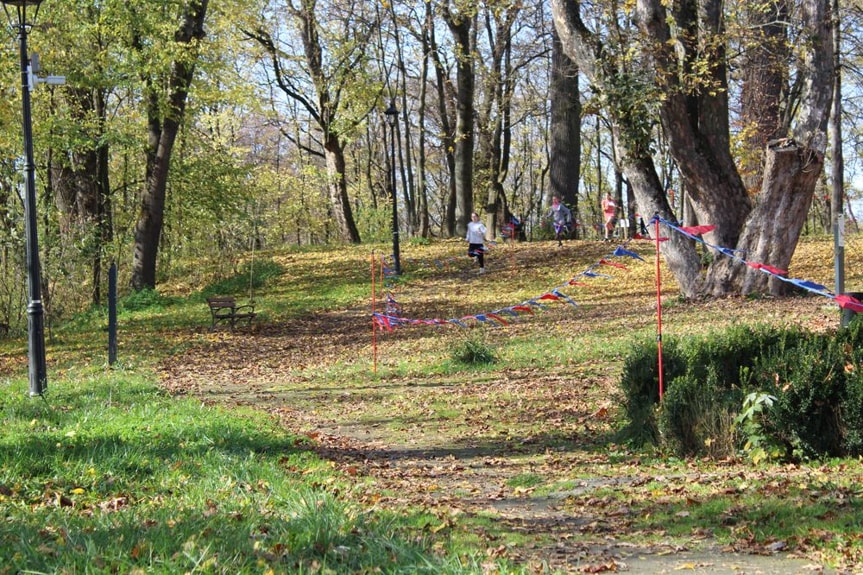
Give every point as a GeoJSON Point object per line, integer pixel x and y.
{"type": "Point", "coordinates": [815, 377]}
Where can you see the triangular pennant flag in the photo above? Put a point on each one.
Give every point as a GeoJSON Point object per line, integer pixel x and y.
{"type": "Point", "coordinates": [847, 302]}
{"type": "Point", "coordinates": [566, 298]}
{"type": "Point", "coordinates": [383, 322]}
{"type": "Point", "coordinates": [767, 268]}
{"type": "Point", "coordinates": [622, 252]}
{"type": "Point", "coordinates": [612, 264]}
{"type": "Point", "coordinates": [497, 318]}
{"type": "Point", "coordinates": [805, 284]}
{"type": "Point", "coordinates": [697, 230]}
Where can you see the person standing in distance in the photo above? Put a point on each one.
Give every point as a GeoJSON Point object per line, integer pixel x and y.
{"type": "Point", "coordinates": [476, 240]}
{"type": "Point", "coordinates": [609, 210]}
{"type": "Point", "coordinates": [561, 219]}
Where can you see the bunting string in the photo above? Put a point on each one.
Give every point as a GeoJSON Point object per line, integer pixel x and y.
{"type": "Point", "coordinates": [844, 301]}
{"type": "Point", "coordinates": [391, 318]}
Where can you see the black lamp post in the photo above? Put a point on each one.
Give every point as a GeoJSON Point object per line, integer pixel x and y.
{"type": "Point", "coordinates": [35, 311]}
{"type": "Point", "coordinates": [392, 114]}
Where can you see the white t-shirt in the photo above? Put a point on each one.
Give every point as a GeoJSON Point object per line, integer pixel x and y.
{"type": "Point", "coordinates": [475, 233]}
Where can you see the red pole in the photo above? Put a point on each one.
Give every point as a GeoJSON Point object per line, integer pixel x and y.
{"type": "Point", "coordinates": [658, 310]}
{"type": "Point", "coordinates": [374, 309]}
{"type": "Point", "coordinates": [512, 245]}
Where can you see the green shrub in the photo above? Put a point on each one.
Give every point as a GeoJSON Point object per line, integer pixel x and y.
{"type": "Point", "coordinates": [723, 355]}
{"type": "Point", "coordinates": [254, 274]}
{"type": "Point", "coordinates": [707, 380]}
{"type": "Point", "coordinates": [697, 416]}
{"type": "Point", "coordinates": [147, 298]}
{"type": "Point", "coordinates": [640, 386]}
{"type": "Point", "coordinates": [809, 385]}
{"type": "Point", "coordinates": [683, 406]}
{"type": "Point", "coordinates": [852, 413]}
{"type": "Point", "coordinates": [472, 348]}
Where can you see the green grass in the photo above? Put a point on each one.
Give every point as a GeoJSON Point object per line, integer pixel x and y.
{"type": "Point", "coordinates": [755, 509]}
{"type": "Point", "coordinates": [107, 474]}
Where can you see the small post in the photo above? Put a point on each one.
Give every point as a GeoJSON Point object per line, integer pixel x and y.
{"type": "Point", "coordinates": [658, 310]}
{"type": "Point", "coordinates": [112, 314]}
{"type": "Point", "coordinates": [392, 114]}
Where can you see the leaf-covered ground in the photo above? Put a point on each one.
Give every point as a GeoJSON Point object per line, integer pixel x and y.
{"type": "Point", "coordinates": [521, 460]}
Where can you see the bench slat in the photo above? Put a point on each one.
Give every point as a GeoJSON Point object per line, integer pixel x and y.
{"type": "Point", "coordinates": [225, 308]}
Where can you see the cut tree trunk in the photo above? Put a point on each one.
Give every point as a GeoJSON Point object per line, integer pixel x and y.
{"type": "Point", "coordinates": [773, 228]}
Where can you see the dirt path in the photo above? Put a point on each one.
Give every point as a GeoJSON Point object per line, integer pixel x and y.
{"type": "Point", "coordinates": [478, 448]}
{"type": "Point", "coordinates": [483, 448]}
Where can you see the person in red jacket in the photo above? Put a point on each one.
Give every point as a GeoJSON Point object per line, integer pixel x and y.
{"type": "Point", "coordinates": [609, 211]}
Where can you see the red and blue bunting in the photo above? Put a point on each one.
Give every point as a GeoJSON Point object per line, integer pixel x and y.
{"type": "Point", "coordinates": [502, 317]}
{"type": "Point", "coordinates": [843, 300]}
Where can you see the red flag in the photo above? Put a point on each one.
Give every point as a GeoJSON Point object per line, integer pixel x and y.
{"type": "Point", "coordinates": [771, 269]}
{"type": "Point", "coordinates": [496, 317]}
{"type": "Point", "coordinates": [383, 322]}
{"type": "Point", "coordinates": [698, 230]}
{"type": "Point", "coordinates": [612, 264]}
{"type": "Point", "coordinates": [848, 302]}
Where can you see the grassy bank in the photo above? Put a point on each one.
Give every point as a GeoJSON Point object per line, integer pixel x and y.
{"type": "Point", "coordinates": [110, 475]}
{"type": "Point", "coordinates": [195, 452]}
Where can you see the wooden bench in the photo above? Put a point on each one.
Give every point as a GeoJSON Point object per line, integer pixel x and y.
{"type": "Point", "coordinates": [225, 309]}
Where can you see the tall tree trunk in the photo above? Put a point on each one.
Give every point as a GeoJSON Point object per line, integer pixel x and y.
{"type": "Point", "coordinates": [565, 128]}
{"type": "Point", "coordinates": [82, 183]}
{"type": "Point", "coordinates": [696, 125]}
{"type": "Point", "coordinates": [494, 129]}
{"type": "Point", "coordinates": [768, 232]}
{"type": "Point", "coordinates": [338, 191]}
{"type": "Point", "coordinates": [460, 25]}
{"type": "Point", "coordinates": [409, 193]}
{"type": "Point", "coordinates": [422, 191]}
{"type": "Point", "coordinates": [163, 129]}
{"type": "Point", "coordinates": [677, 250]}
{"type": "Point", "coordinates": [764, 72]}
{"type": "Point", "coordinates": [632, 153]}
{"type": "Point", "coordinates": [325, 112]}
{"type": "Point", "coordinates": [448, 226]}
{"type": "Point", "coordinates": [791, 170]}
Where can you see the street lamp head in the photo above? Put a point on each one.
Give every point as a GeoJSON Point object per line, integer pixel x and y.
{"type": "Point", "coordinates": [21, 7]}
{"type": "Point", "coordinates": [392, 113]}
